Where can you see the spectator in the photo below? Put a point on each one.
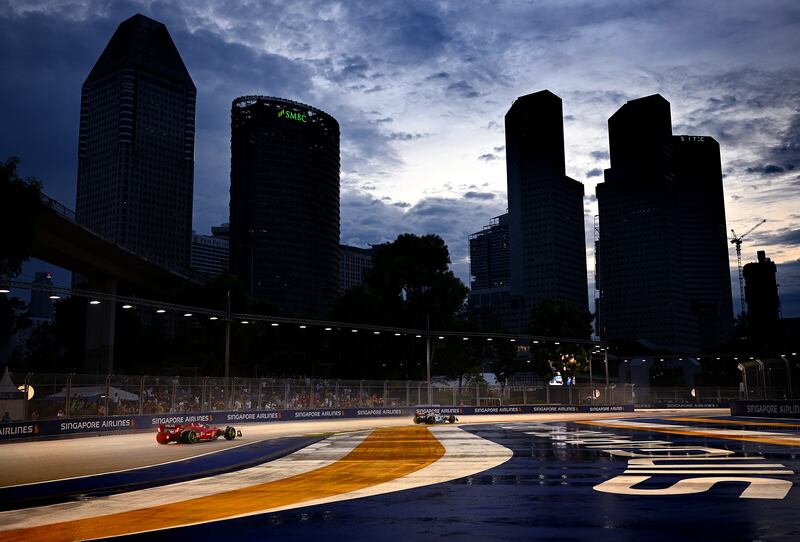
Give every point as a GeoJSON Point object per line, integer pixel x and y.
{"type": "Point", "coordinates": [60, 413]}
{"type": "Point", "coordinates": [34, 415]}
{"type": "Point", "coordinates": [6, 417]}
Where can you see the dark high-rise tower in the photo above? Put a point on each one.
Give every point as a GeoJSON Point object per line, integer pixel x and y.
{"type": "Point", "coordinates": [547, 236]}
{"type": "Point", "coordinates": [763, 303]}
{"type": "Point", "coordinates": [704, 242]}
{"type": "Point", "coordinates": [136, 145]}
{"type": "Point", "coordinates": [662, 255]}
{"type": "Point", "coordinates": [285, 202]}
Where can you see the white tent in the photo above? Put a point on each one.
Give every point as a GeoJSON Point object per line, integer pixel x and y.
{"type": "Point", "coordinates": [11, 399]}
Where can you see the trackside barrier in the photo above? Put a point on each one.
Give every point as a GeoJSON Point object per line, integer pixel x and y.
{"type": "Point", "coordinates": [702, 404]}
{"type": "Point", "coordinates": [113, 424]}
{"type": "Point", "coordinates": [766, 409]}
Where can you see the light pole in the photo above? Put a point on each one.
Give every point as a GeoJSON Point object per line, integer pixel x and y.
{"type": "Point", "coordinates": [227, 343]}
{"type": "Point", "coordinates": [428, 356]}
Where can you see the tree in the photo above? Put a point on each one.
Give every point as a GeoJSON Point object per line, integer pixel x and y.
{"type": "Point", "coordinates": [409, 285]}
{"type": "Point", "coordinates": [14, 318]}
{"type": "Point", "coordinates": [557, 318]}
{"type": "Point", "coordinates": [20, 200]}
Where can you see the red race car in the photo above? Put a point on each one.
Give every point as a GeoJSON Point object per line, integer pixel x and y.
{"type": "Point", "coordinates": [190, 433]}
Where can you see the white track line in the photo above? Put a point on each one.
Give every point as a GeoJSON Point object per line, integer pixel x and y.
{"type": "Point", "coordinates": [312, 457]}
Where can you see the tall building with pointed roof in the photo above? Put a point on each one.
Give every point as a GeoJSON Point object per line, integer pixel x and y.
{"type": "Point", "coordinates": [136, 145]}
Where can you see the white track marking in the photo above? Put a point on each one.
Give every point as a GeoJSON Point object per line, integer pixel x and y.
{"type": "Point", "coordinates": [312, 457]}
{"type": "Point", "coordinates": [629, 424]}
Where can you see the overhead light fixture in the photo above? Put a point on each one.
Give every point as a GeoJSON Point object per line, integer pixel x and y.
{"type": "Point", "coordinates": [419, 336]}
{"type": "Point", "coordinates": [535, 342]}
{"type": "Point", "coordinates": [127, 307]}
{"type": "Point", "coordinates": [213, 318]}
{"type": "Point", "coordinates": [556, 342]}
{"type": "Point", "coordinates": [354, 331]}
{"type": "Point", "coordinates": [187, 314]}
{"type": "Point", "coordinates": [327, 329]}
{"type": "Point", "coordinates": [441, 337]}
{"type": "Point", "coordinates": [245, 321]}
{"type": "Point", "coordinates": [513, 340]}
{"type": "Point", "coordinates": [274, 324]}
{"type": "Point", "coordinates": [161, 311]}
{"type": "Point", "coordinates": [4, 290]}
{"type": "Point", "coordinates": [302, 327]}
{"type": "Point", "coordinates": [397, 334]}
{"type": "Point", "coordinates": [488, 338]}
{"type": "Point", "coordinates": [376, 332]}
{"type": "Point", "coordinates": [54, 297]}
{"type": "Point", "coordinates": [464, 338]}
{"type": "Point", "coordinates": [94, 302]}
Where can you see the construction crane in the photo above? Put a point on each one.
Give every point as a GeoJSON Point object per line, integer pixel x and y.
{"type": "Point", "coordinates": [737, 240]}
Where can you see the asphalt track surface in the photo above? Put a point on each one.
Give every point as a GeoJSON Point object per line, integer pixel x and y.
{"type": "Point", "coordinates": [690, 475]}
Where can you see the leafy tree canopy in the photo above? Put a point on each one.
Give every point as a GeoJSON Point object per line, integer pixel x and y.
{"type": "Point", "coordinates": [557, 318]}
{"type": "Point", "coordinates": [19, 202]}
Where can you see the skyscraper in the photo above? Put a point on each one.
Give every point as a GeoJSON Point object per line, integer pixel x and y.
{"type": "Point", "coordinates": [763, 303]}
{"type": "Point", "coordinates": [285, 202]}
{"type": "Point", "coordinates": [704, 241]}
{"type": "Point", "coordinates": [136, 145]}
{"type": "Point", "coordinates": [662, 254]}
{"type": "Point", "coordinates": [546, 227]}
{"type": "Point", "coordinates": [354, 264]}
{"type": "Point", "coordinates": [490, 300]}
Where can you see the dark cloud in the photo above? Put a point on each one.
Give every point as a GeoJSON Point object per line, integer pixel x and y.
{"type": "Point", "coordinates": [367, 220]}
{"type": "Point", "coordinates": [599, 155]}
{"type": "Point", "coordinates": [500, 148]}
{"type": "Point", "coordinates": [488, 157]}
{"type": "Point", "coordinates": [463, 89]}
{"type": "Point", "coordinates": [480, 195]}
{"type": "Point", "coordinates": [590, 198]}
{"type": "Point", "coordinates": [405, 136]}
{"type": "Point", "coordinates": [595, 172]}
{"type": "Point", "coordinates": [438, 76]}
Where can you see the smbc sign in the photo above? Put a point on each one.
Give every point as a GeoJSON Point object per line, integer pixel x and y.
{"type": "Point", "coordinates": [299, 117]}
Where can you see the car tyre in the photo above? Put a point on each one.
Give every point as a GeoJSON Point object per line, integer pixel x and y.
{"type": "Point", "coordinates": [191, 437]}
{"type": "Point", "coordinates": [230, 433]}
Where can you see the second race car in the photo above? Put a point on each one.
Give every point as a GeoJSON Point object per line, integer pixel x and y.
{"type": "Point", "coordinates": [434, 417]}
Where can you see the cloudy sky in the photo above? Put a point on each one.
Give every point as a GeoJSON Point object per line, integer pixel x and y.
{"type": "Point", "coordinates": [420, 90]}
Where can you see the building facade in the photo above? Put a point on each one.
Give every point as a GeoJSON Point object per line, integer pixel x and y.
{"type": "Point", "coordinates": [354, 265]}
{"type": "Point", "coordinates": [662, 255]}
{"type": "Point", "coordinates": [210, 255]}
{"type": "Point", "coordinates": [490, 301]}
{"type": "Point", "coordinates": [284, 210]}
{"type": "Point", "coordinates": [763, 303]}
{"type": "Point", "coordinates": [136, 145]}
{"type": "Point", "coordinates": [545, 207]}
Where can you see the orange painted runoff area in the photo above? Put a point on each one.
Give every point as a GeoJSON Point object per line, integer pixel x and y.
{"type": "Point", "coordinates": [385, 455]}
{"type": "Point", "coordinates": [710, 433]}
{"type": "Point", "coordinates": [735, 422]}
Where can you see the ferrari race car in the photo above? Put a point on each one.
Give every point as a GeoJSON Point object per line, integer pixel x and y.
{"type": "Point", "coordinates": [190, 433]}
{"type": "Point", "coordinates": [433, 417]}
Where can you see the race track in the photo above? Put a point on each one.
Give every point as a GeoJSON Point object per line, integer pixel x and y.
{"type": "Point", "coordinates": [678, 475]}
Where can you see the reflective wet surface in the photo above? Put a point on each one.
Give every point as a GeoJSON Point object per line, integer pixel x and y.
{"type": "Point", "coordinates": [652, 479]}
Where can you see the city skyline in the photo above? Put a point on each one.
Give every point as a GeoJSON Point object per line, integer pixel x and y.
{"type": "Point", "coordinates": [422, 108]}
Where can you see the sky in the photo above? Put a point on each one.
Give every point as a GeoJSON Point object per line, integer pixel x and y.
{"type": "Point", "coordinates": [420, 89]}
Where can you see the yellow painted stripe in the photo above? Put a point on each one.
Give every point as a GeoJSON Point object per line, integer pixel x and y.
{"type": "Point", "coordinates": [385, 455]}
{"type": "Point", "coordinates": [735, 422]}
{"type": "Point", "coordinates": [710, 434]}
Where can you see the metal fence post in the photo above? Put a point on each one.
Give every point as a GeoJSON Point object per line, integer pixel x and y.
{"type": "Point", "coordinates": [477, 394]}
{"type": "Point", "coordinates": [141, 394]}
{"type": "Point", "coordinates": [68, 398]}
{"type": "Point", "coordinates": [260, 386]}
{"type": "Point", "coordinates": [108, 392]}
{"type": "Point", "coordinates": [286, 394]}
{"type": "Point", "coordinates": [385, 393]}
{"type": "Point", "coordinates": [174, 392]}
{"type": "Point", "coordinates": [547, 387]}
